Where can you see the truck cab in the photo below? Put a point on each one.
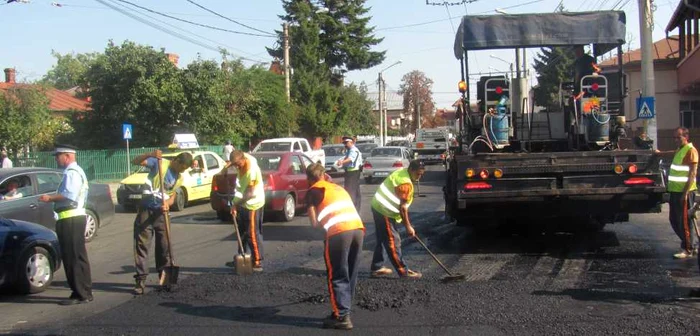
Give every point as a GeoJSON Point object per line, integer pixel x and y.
{"type": "Point", "coordinates": [300, 145]}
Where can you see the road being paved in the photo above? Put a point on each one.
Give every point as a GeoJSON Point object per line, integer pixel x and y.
{"type": "Point", "coordinates": [621, 280]}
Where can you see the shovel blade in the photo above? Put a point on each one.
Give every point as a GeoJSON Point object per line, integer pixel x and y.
{"type": "Point", "coordinates": [169, 276]}
{"type": "Point", "coordinates": [243, 263]}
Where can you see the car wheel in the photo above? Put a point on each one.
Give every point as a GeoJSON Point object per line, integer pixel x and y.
{"type": "Point", "coordinates": [180, 200]}
{"type": "Point", "coordinates": [92, 223]}
{"type": "Point", "coordinates": [34, 271]}
{"type": "Point", "coordinates": [290, 208]}
{"type": "Point", "coordinates": [368, 179]}
{"type": "Point", "coordinates": [224, 216]}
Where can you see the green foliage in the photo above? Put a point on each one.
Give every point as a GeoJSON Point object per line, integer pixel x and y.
{"type": "Point", "coordinates": [416, 89]}
{"type": "Point", "coordinates": [136, 84]}
{"type": "Point", "coordinates": [69, 70]}
{"type": "Point", "coordinates": [24, 113]}
{"type": "Point", "coordinates": [553, 66]}
{"type": "Point", "coordinates": [355, 114]}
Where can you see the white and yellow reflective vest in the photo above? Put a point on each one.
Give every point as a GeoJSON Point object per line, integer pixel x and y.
{"type": "Point", "coordinates": [385, 200]}
{"type": "Point", "coordinates": [63, 211]}
{"type": "Point", "coordinates": [243, 181]}
{"type": "Point", "coordinates": [679, 173]}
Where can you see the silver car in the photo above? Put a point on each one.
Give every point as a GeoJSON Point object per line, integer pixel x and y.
{"type": "Point", "coordinates": [333, 154]}
{"type": "Point", "coordinates": [384, 161]}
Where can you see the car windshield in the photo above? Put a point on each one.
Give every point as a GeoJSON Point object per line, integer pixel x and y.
{"type": "Point", "coordinates": [366, 148]}
{"type": "Point", "coordinates": [334, 150]}
{"type": "Point", "coordinates": [387, 152]}
{"type": "Point", "coordinates": [274, 147]}
{"type": "Point", "coordinates": [268, 162]}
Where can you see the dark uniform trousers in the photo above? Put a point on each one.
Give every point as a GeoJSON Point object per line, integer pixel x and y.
{"type": "Point", "coordinates": [341, 254]}
{"type": "Point", "coordinates": [352, 186]}
{"type": "Point", "coordinates": [149, 223]}
{"type": "Point", "coordinates": [388, 239]}
{"type": "Point", "coordinates": [71, 238]}
{"type": "Point", "coordinates": [250, 228]}
{"type": "Point", "coordinates": [681, 221]}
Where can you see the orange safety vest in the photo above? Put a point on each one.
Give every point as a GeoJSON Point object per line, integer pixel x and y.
{"type": "Point", "coordinates": [336, 213]}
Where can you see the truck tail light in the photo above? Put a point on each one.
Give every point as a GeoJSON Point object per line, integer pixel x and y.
{"type": "Point", "coordinates": [398, 164]}
{"type": "Point", "coordinates": [470, 173]}
{"type": "Point", "coordinates": [619, 169]}
{"type": "Point", "coordinates": [476, 186]}
{"type": "Point", "coordinates": [484, 174]}
{"type": "Point", "coordinates": [367, 165]}
{"type": "Point", "coordinates": [632, 168]}
{"type": "Point", "coordinates": [639, 181]}
{"type": "Point", "coordinates": [497, 173]}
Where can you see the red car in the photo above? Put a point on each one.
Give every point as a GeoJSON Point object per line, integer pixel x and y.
{"type": "Point", "coordinates": [285, 184]}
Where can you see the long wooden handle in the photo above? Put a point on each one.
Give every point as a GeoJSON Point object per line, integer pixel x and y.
{"type": "Point", "coordinates": [166, 216]}
{"type": "Point", "coordinates": [434, 257]}
{"type": "Point", "coordinates": [238, 234]}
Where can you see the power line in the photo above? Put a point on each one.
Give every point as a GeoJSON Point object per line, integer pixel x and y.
{"type": "Point", "coordinates": [229, 19]}
{"type": "Point", "coordinates": [192, 22]}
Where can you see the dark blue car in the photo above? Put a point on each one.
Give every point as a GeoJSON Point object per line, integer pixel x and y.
{"type": "Point", "coordinates": [29, 256]}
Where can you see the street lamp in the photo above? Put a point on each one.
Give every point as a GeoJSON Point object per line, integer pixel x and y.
{"type": "Point", "coordinates": [382, 98]}
{"type": "Point", "coordinates": [502, 60]}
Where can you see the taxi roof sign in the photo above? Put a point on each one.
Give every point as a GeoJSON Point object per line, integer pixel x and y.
{"type": "Point", "coordinates": [185, 141]}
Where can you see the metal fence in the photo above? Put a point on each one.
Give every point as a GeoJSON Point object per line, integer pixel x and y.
{"type": "Point", "coordinates": [99, 165]}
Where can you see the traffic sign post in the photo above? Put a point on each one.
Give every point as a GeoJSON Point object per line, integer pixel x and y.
{"type": "Point", "coordinates": [126, 134]}
{"type": "Point", "coordinates": [645, 108]}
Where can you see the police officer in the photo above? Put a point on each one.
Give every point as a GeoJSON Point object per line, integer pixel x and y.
{"type": "Point", "coordinates": [331, 208]}
{"type": "Point", "coordinates": [248, 205]}
{"type": "Point", "coordinates": [352, 163]}
{"type": "Point", "coordinates": [681, 188]}
{"type": "Point", "coordinates": [69, 207]}
{"type": "Point", "coordinates": [390, 207]}
{"type": "Point", "coordinates": [150, 218]}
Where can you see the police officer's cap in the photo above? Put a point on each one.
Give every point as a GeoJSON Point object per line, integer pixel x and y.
{"type": "Point", "coordinates": [64, 148]}
{"type": "Point", "coordinates": [347, 138]}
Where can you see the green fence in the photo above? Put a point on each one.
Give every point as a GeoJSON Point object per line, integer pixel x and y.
{"type": "Point", "coordinates": [99, 165]}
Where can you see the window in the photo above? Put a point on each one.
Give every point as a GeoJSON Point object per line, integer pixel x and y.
{"type": "Point", "coordinates": [297, 147]}
{"type": "Point", "coordinates": [18, 187]}
{"type": "Point", "coordinates": [296, 165]}
{"type": "Point", "coordinates": [48, 182]}
{"type": "Point", "coordinates": [269, 163]}
{"type": "Point", "coordinates": [304, 146]}
{"type": "Point", "coordinates": [306, 161]}
{"type": "Point", "coordinates": [690, 113]}
{"type": "Point", "coordinates": [212, 162]}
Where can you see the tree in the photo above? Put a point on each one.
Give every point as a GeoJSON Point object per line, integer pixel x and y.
{"type": "Point", "coordinates": [137, 84]}
{"type": "Point", "coordinates": [417, 90]}
{"type": "Point", "coordinates": [69, 70]}
{"type": "Point", "coordinates": [355, 112]}
{"type": "Point", "coordinates": [20, 107]}
{"type": "Point", "coordinates": [553, 66]}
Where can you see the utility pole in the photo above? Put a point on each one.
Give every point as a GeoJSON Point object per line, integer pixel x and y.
{"type": "Point", "coordinates": [384, 119]}
{"type": "Point", "coordinates": [381, 109]}
{"type": "Point", "coordinates": [418, 108]}
{"type": "Point", "coordinates": [648, 88]}
{"type": "Point", "coordinates": [285, 29]}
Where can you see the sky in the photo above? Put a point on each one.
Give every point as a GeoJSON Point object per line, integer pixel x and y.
{"type": "Point", "coordinates": [417, 34]}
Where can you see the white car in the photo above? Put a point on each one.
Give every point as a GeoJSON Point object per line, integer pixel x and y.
{"type": "Point", "coordinates": [300, 145]}
{"type": "Point", "coordinates": [333, 154]}
{"type": "Point", "coordinates": [384, 161]}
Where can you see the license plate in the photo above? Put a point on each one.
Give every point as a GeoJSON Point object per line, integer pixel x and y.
{"type": "Point", "coordinates": [136, 196]}
{"type": "Point", "coordinates": [381, 174]}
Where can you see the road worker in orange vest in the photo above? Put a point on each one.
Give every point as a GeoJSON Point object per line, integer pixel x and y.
{"type": "Point", "coordinates": [331, 208]}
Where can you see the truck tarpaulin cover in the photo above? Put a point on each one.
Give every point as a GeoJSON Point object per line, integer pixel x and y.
{"type": "Point", "coordinates": [604, 29]}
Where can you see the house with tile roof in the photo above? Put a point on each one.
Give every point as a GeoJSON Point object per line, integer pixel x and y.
{"type": "Point", "coordinates": [672, 103]}
{"type": "Point", "coordinates": [61, 103]}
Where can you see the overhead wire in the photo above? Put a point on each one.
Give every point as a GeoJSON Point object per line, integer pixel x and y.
{"type": "Point", "coordinates": [192, 22]}
{"type": "Point", "coordinates": [227, 18]}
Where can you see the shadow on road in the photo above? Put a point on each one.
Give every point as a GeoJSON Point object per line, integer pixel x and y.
{"type": "Point", "coordinates": [281, 232]}
{"type": "Point", "coordinates": [130, 269]}
{"type": "Point", "coordinates": [265, 315]}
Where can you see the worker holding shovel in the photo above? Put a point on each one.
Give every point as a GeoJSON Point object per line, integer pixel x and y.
{"type": "Point", "coordinates": [150, 218]}
{"type": "Point", "coordinates": [331, 208]}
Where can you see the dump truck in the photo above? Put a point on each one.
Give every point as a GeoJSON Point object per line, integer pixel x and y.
{"type": "Point", "coordinates": [572, 164]}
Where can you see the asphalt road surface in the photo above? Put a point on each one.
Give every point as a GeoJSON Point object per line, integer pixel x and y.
{"type": "Point", "coordinates": [621, 280]}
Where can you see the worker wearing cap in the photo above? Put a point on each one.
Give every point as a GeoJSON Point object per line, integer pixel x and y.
{"type": "Point", "coordinates": [248, 205]}
{"type": "Point", "coordinates": [69, 207]}
{"type": "Point", "coordinates": [352, 162]}
{"type": "Point", "coordinates": [150, 220]}
{"type": "Point", "coordinates": [331, 208]}
{"type": "Point", "coordinates": [390, 207]}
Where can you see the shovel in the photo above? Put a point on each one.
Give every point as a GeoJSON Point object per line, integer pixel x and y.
{"type": "Point", "coordinates": [450, 277]}
{"type": "Point", "coordinates": [242, 261]}
{"type": "Point", "coordinates": [170, 272]}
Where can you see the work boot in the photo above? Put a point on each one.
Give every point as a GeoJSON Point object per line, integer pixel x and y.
{"type": "Point", "coordinates": [139, 287]}
{"type": "Point", "coordinates": [382, 272]}
{"type": "Point", "coordinates": [412, 274]}
{"type": "Point", "coordinates": [332, 322]}
{"type": "Point", "coordinates": [257, 268]}
{"type": "Point", "coordinates": [685, 254]}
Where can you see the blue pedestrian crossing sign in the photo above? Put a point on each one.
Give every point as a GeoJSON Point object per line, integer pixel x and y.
{"type": "Point", "coordinates": [127, 131]}
{"type": "Point", "coordinates": [645, 108]}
